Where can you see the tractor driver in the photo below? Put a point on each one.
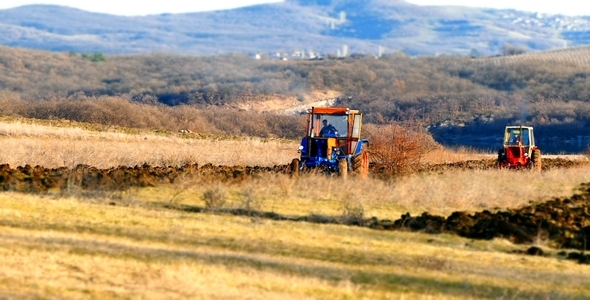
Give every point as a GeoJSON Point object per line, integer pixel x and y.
{"type": "Point", "coordinates": [328, 129]}
{"type": "Point", "coordinates": [515, 139]}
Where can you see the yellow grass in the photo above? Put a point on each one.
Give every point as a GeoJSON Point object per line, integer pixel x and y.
{"type": "Point", "coordinates": [73, 248]}
{"type": "Point", "coordinates": [56, 146]}
{"type": "Point", "coordinates": [443, 155]}
{"type": "Point", "coordinates": [439, 194]}
{"type": "Point", "coordinates": [151, 243]}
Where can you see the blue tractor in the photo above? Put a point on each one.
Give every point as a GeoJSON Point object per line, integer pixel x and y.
{"type": "Point", "coordinates": [333, 142]}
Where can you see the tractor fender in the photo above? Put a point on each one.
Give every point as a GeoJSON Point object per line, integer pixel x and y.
{"type": "Point", "coordinates": [362, 144]}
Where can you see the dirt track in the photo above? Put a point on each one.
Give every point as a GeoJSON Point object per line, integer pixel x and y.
{"type": "Point", "coordinates": [558, 223]}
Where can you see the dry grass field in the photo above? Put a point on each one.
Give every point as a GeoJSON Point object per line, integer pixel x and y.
{"type": "Point", "coordinates": [60, 143]}
{"type": "Point", "coordinates": [176, 242]}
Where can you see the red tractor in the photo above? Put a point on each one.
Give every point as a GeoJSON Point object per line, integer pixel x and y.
{"type": "Point", "coordinates": [519, 150]}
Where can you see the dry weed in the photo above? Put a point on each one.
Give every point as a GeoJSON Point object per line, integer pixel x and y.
{"type": "Point", "coordinates": [215, 198]}
{"type": "Point", "coordinates": [397, 149]}
{"type": "Point", "coordinates": [353, 211]}
{"type": "Point", "coordinates": [250, 201]}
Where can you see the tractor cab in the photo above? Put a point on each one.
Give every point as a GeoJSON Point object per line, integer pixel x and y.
{"type": "Point", "coordinates": [519, 149]}
{"type": "Point", "coordinates": [332, 140]}
{"type": "Point", "coordinates": [519, 136]}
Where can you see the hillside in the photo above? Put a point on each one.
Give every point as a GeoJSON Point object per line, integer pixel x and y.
{"type": "Point", "coordinates": [462, 101]}
{"type": "Point", "coordinates": [294, 28]}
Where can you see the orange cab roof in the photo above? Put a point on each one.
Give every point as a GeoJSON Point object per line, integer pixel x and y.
{"type": "Point", "coordinates": [330, 110]}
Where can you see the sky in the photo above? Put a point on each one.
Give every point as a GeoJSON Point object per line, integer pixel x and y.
{"type": "Point", "coordinates": [142, 7]}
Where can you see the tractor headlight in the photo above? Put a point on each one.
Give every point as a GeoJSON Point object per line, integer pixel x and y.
{"type": "Point", "coordinates": [300, 147]}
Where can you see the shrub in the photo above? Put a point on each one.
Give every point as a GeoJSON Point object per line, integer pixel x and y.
{"type": "Point", "coordinates": [249, 203]}
{"type": "Point", "coordinates": [96, 57]}
{"type": "Point", "coordinates": [214, 198]}
{"type": "Point", "coordinates": [353, 211]}
{"type": "Point", "coordinates": [397, 149]}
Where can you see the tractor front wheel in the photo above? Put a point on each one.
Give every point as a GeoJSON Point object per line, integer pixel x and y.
{"type": "Point", "coordinates": [500, 160]}
{"type": "Point", "coordinates": [536, 160]}
{"type": "Point", "coordinates": [360, 163]}
{"type": "Point", "coordinates": [294, 167]}
{"type": "Point", "coordinates": [343, 168]}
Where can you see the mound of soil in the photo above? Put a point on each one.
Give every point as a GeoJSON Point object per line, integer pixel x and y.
{"type": "Point", "coordinates": [38, 179]}
{"type": "Point", "coordinates": [558, 223]}
{"type": "Point", "coordinates": [490, 164]}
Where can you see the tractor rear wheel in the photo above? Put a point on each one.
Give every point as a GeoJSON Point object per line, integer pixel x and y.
{"type": "Point", "coordinates": [343, 168]}
{"type": "Point", "coordinates": [294, 167]}
{"type": "Point", "coordinates": [360, 163]}
{"type": "Point", "coordinates": [536, 160]}
{"type": "Point", "coordinates": [500, 159]}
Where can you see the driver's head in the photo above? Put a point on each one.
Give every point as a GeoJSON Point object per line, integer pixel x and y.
{"type": "Point", "coordinates": [325, 122]}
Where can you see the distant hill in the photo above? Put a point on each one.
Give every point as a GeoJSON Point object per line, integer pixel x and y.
{"type": "Point", "coordinates": [295, 28]}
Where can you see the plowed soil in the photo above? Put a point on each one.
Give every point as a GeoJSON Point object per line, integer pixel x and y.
{"type": "Point", "coordinates": [38, 179]}
{"type": "Point", "coordinates": [559, 223]}
{"type": "Point", "coordinates": [488, 164]}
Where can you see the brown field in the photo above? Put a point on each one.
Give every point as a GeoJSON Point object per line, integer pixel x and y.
{"type": "Point", "coordinates": [182, 221]}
